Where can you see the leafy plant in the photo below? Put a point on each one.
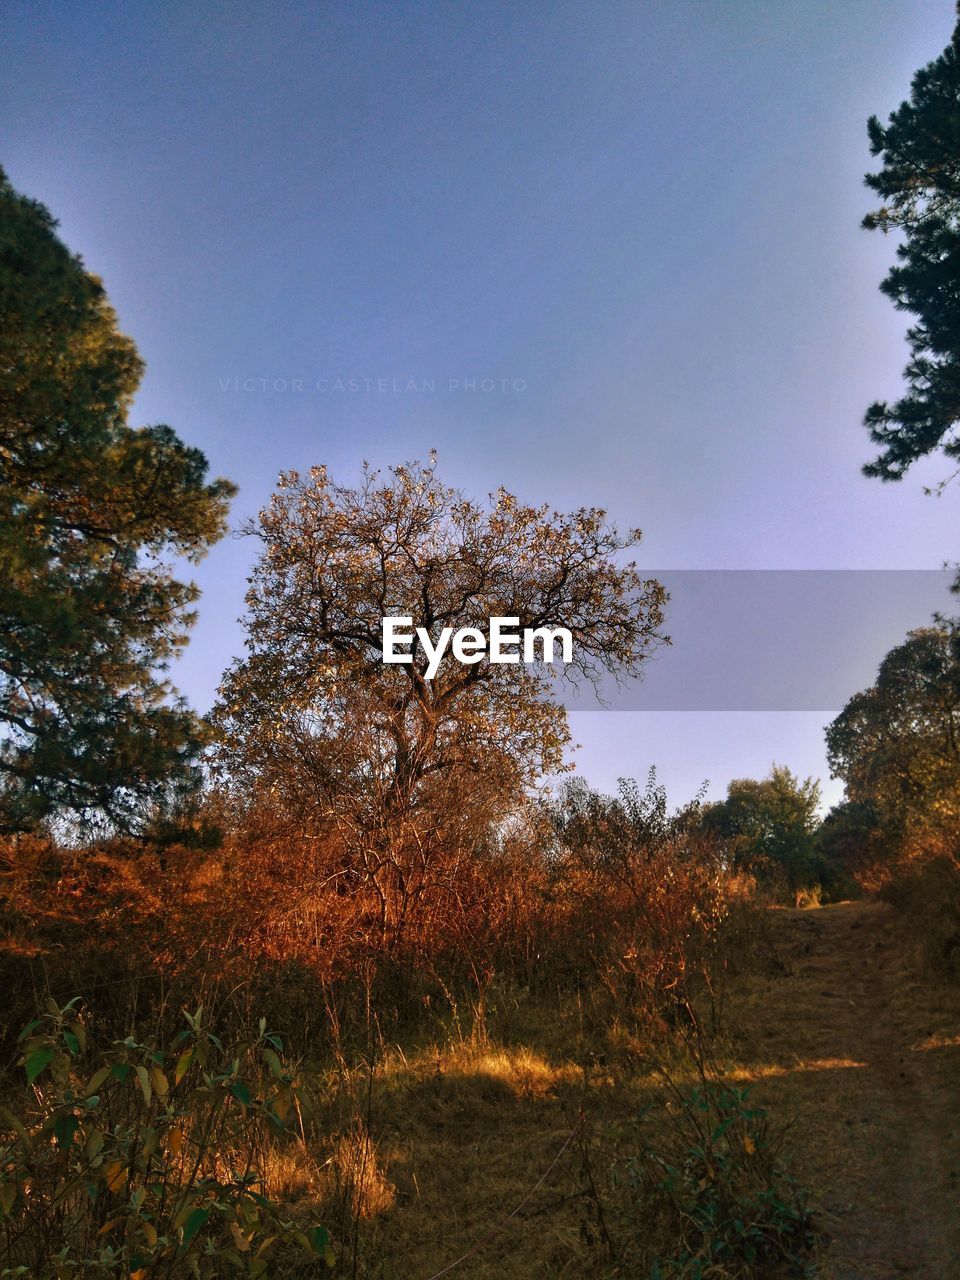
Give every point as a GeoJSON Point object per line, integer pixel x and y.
{"type": "Point", "coordinates": [149, 1165]}
{"type": "Point", "coordinates": [715, 1187]}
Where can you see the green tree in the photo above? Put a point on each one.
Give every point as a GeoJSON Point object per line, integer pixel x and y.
{"type": "Point", "coordinates": [851, 842]}
{"type": "Point", "coordinates": [919, 183]}
{"type": "Point", "coordinates": [92, 513]}
{"type": "Point", "coordinates": [770, 825]}
{"type": "Point", "coordinates": [896, 745]}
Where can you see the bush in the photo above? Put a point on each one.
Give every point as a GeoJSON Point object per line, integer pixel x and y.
{"type": "Point", "coordinates": [148, 1165]}
{"type": "Point", "coordinates": [714, 1188]}
{"type": "Point", "coordinates": [646, 888]}
{"type": "Point", "coordinates": [926, 894]}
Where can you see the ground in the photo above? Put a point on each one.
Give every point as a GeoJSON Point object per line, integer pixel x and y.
{"type": "Point", "coordinates": [839, 1037]}
{"type": "Point", "coordinates": [864, 1057]}
{"type": "Point", "coordinates": [498, 1141]}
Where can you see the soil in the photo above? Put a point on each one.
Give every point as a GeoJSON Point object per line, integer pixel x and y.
{"type": "Point", "coordinates": [847, 1039]}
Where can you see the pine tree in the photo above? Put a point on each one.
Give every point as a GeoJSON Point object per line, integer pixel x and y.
{"type": "Point", "coordinates": [919, 182]}
{"type": "Point", "coordinates": [92, 511]}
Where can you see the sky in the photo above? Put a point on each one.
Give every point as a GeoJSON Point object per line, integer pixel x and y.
{"type": "Point", "coordinates": [602, 254]}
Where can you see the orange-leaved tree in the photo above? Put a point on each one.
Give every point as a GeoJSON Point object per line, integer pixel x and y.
{"type": "Point", "coordinates": [416, 773]}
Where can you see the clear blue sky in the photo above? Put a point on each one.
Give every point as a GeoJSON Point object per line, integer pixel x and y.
{"type": "Point", "coordinates": [644, 217]}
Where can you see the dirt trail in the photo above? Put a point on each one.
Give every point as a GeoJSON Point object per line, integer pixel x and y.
{"type": "Point", "coordinates": [867, 1059]}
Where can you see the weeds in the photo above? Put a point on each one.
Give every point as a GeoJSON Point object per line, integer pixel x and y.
{"type": "Point", "coordinates": [713, 1185]}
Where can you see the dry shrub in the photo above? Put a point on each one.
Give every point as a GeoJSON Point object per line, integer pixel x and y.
{"type": "Point", "coordinates": [916, 868]}
{"type": "Point", "coordinates": [616, 897]}
{"type": "Point", "coordinates": [644, 893]}
{"type": "Point", "coordinates": [620, 892]}
{"type": "Point", "coordinates": [645, 924]}
{"type": "Point", "coordinates": [136, 929]}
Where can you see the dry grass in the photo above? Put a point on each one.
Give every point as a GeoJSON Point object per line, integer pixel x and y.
{"type": "Point", "coordinates": [508, 1155]}
{"type": "Point", "coordinates": [432, 1150]}
{"type": "Point", "coordinates": [484, 1118]}
{"type": "Point", "coordinates": [831, 1025]}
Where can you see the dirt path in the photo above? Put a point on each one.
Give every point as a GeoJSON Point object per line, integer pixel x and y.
{"type": "Point", "coordinates": [867, 1060]}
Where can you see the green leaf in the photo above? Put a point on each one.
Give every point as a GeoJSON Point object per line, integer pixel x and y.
{"type": "Point", "coordinates": [64, 1129]}
{"type": "Point", "coordinates": [96, 1080]}
{"type": "Point", "coordinates": [8, 1194]}
{"type": "Point", "coordinates": [320, 1239]}
{"type": "Point", "coordinates": [16, 1124]}
{"type": "Point", "coordinates": [241, 1092]}
{"type": "Point", "coordinates": [193, 1224]}
{"type": "Point", "coordinates": [38, 1060]}
{"type": "Point", "coordinates": [93, 1145]}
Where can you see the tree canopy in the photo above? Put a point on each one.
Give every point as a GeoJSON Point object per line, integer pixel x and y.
{"type": "Point", "coordinates": [770, 824]}
{"type": "Point", "coordinates": [919, 183]}
{"type": "Point", "coordinates": [92, 514]}
{"type": "Point", "coordinates": [314, 717]}
{"type": "Point", "coordinates": [896, 745]}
